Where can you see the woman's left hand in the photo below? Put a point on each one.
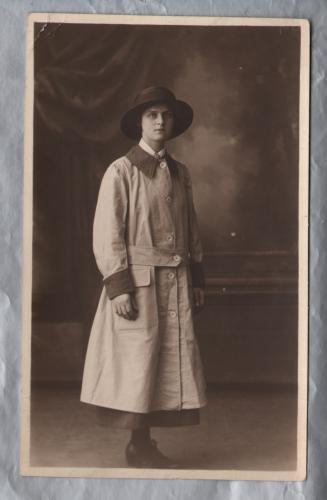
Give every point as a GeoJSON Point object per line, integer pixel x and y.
{"type": "Point", "coordinates": [198, 294]}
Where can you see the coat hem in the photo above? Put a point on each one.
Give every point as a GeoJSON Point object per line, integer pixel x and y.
{"type": "Point", "coordinates": [194, 406]}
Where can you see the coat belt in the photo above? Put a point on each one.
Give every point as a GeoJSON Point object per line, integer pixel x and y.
{"type": "Point", "coordinates": [154, 256]}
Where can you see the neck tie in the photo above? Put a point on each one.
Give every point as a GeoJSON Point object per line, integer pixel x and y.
{"type": "Point", "coordinates": [161, 156]}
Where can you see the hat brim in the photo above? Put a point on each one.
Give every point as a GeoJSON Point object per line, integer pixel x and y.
{"type": "Point", "coordinates": [183, 117]}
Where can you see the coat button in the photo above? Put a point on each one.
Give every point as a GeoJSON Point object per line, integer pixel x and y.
{"type": "Point", "coordinates": [171, 275]}
{"type": "Point", "coordinates": [170, 237]}
{"type": "Point", "coordinates": [168, 198]}
{"type": "Point", "coordinates": [172, 314]}
{"type": "Point", "coordinates": [176, 258]}
{"type": "Point", "coordinates": [162, 164]}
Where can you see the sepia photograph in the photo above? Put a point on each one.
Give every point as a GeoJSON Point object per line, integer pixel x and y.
{"type": "Point", "coordinates": [165, 288]}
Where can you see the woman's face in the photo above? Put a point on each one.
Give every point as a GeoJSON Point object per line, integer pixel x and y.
{"type": "Point", "coordinates": [157, 124]}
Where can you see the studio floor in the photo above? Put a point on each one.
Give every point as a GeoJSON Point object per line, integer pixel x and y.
{"type": "Point", "coordinates": [241, 429]}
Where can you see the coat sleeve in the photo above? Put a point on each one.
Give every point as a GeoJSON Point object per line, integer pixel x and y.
{"type": "Point", "coordinates": [195, 246]}
{"type": "Point", "coordinates": [109, 245]}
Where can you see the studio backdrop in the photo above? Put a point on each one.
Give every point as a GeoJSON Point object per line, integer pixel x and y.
{"type": "Point", "coordinates": [242, 152]}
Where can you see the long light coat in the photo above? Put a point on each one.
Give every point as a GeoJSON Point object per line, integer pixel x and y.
{"type": "Point", "coordinates": [145, 221]}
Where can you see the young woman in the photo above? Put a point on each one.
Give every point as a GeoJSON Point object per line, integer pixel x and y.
{"type": "Point", "coordinates": [143, 365]}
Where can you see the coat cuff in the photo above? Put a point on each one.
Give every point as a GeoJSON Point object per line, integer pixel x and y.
{"type": "Point", "coordinates": [197, 275]}
{"type": "Point", "coordinates": [119, 283]}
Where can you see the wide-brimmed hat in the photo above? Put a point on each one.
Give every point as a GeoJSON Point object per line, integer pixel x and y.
{"type": "Point", "coordinates": [183, 113]}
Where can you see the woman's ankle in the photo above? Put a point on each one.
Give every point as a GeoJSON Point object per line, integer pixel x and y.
{"type": "Point", "coordinates": [140, 437]}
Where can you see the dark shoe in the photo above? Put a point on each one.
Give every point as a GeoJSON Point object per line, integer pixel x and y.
{"type": "Point", "coordinates": [147, 456]}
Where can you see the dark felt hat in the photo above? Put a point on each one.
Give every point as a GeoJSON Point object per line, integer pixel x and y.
{"type": "Point", "coordinates": [183, 113]}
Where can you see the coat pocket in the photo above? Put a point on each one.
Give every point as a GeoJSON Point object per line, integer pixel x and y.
{"type": "Point", "coordinates": [141, 276]}
{"type": "Point", "coordinates": [146, 300]}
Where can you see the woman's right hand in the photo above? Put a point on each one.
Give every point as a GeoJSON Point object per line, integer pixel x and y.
{"type": "Point", "coordinates": [125, 306]}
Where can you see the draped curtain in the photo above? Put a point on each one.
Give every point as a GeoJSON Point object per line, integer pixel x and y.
{"type": "Point", "coordinates": [243, 85]}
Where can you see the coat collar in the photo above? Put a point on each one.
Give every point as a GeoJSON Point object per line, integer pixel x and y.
{"type": "Point", "coordinates": [147, 163]}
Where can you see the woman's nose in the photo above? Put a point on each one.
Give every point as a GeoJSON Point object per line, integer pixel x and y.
{"type": "Point", "coordinates": [160, 119]}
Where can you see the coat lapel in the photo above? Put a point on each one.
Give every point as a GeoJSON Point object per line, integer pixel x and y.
{"type": "Point", "coordinates": [147, 163]}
